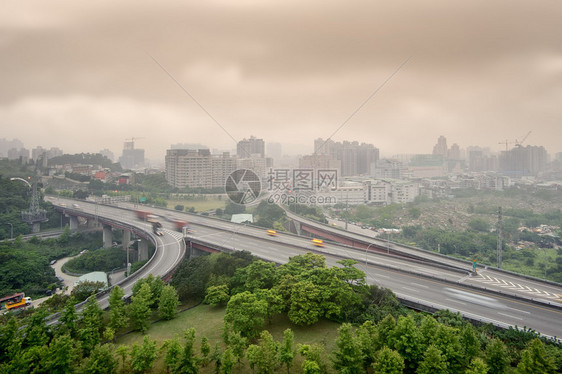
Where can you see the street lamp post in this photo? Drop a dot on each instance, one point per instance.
(128, 263)
(545, 262)
(366, 250)
(388, 242)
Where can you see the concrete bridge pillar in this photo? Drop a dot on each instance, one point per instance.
(126, 238)
(73, 223)
(35, 228)
(91, 223)
(297, 227)
(143, 250)
(107, 236)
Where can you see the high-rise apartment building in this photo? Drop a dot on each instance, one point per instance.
(388, 168)
(198, 168)
(441, 147)
(131, 158)
(523, 161)
(247, 148)
(355, 158)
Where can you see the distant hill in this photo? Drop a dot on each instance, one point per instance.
(86, 159)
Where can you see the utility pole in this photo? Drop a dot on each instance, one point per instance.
(346, 203)
(499, 230)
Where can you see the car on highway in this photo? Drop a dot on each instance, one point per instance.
(318, 242)
(271, 232)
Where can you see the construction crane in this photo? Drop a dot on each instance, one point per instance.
(506, 144)
(520, 143)
(517, 143)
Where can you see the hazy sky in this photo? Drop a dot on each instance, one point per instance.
(79, 75)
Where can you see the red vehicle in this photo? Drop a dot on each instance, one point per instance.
(180, 224)
(142, 214)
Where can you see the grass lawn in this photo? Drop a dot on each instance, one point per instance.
(200, 204)
(208, 321)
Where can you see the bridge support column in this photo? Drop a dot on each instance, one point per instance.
(143, 250)
(297, 226)
(35, 228)
(91, 223)
(107, 236)
(126, 238)
(73, 223)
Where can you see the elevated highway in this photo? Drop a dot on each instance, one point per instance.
(170, 248)
(486, 277)
(415, 282)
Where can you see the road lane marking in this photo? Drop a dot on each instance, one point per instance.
(410, 289)
(510, 316)
(455, 301)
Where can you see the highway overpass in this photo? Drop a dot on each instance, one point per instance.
(426, 285)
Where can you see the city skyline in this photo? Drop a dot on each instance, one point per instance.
(87, 77)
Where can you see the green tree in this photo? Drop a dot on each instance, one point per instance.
(257, 275)
(168, 303)
(205, 350)
(347, 358)
(274, 301)
(253, 355)
(447, 341)
(535, 359)
(189, 362)
(385, 330)
(496, 357)
(217, 295)
(246, 313)
(69, 316)
(216, 357)
(228, 361)
(117, 311)
(173, 354)
(85, 289)
(469, 342)
(139, 310)
(37, 333)
(479, 224)
(433, 362)
(10, 339)
(311, 367)
(367, 336)
(90, 325)
(407, 340)
(144, 355)
(267, 354)
(388, 362)
(288, 351)
(108, 334)
(313, 362)
(305, 305)
(61, 355)
(238, 343)
(123, 352)
(477, 366)
(101, 360)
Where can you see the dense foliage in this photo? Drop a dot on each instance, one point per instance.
(103, 259)
(310, 212)
(85, 159)
(24, 266)
(403, 343)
